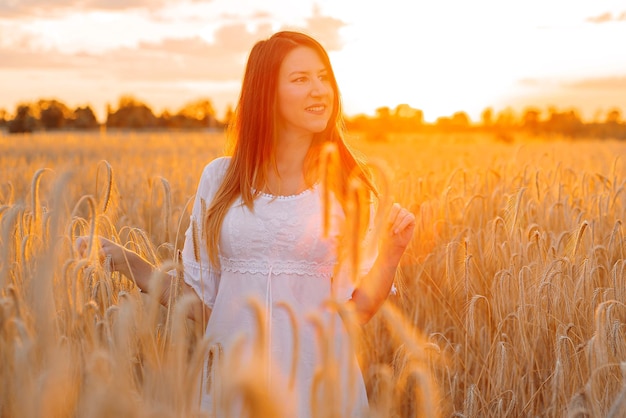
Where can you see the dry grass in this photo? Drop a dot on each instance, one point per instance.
(511, 301)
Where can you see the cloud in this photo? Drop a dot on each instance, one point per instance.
(121, 4)
(25, 59)
(170, 59)
(236, 36)
(603, 18)
(194, 59)
(158, 61)
(13, 8)
(184, 57)
(326, 30)
(607, 18)
(600, 83)
(612, 83)
(10, 8)
(537, 83)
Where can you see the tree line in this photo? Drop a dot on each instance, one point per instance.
(532, 121)
(131, 113)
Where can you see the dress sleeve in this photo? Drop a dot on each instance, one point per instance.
(203, 278)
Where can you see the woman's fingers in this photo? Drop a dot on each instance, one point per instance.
(393, 215)
(82, 245)
(103, 247)
(112, 256)
(102, 253)
(400, 227)
(109, 252)
(404, 221)
(400, 218)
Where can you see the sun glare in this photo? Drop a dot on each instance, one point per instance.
(500, 125)
(450, 56)
(441, 57)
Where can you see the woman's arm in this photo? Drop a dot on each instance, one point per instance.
(143, 273)
(375, 285)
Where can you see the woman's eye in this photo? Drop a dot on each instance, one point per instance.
(300, 80)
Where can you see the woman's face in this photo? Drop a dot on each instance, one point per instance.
(305, 94)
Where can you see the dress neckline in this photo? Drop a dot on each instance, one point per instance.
(287, 197)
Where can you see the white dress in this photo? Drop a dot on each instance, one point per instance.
(275, 266)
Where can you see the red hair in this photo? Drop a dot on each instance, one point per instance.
(253, 131)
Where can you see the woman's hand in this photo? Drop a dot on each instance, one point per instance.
(121, 259)
(399, 231)
(104, 248)
(375, 286)
(142, 272)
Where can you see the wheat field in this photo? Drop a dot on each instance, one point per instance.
(511, 299)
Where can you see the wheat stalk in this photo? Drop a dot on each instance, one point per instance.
(106, 197)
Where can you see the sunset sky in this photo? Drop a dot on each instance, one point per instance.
(440, 56)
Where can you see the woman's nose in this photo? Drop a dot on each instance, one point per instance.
(319, 88)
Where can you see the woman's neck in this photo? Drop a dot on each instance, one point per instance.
(290, 152)
(290, 156)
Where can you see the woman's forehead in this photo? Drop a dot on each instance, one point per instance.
(302, 59)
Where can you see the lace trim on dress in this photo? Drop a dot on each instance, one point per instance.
(197, 268)
(286, 197)
(203, 280)
(297, 267)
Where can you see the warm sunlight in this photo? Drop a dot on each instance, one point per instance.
(190, 225)
(449, 56)
(441, 57)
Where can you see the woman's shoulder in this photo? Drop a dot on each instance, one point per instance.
(216, 167)
(213, 173)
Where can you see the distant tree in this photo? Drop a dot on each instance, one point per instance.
(531, 120)
(229, 115)
(379, 128)
(84, 118)
(177, 121)
(614, 116)
(24, 120)
(52, 113)
(506, 119)
(598, 116)
(566, 123)
(200, 112)
(131, 114)
(383, 114)
(4, 116)
(165, 120)
(486, 117)
(52, 118)
(406, 118)
(443, 122)
(359, 122)
(460, 120)
(613, 126)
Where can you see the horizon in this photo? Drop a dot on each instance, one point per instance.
(515, 115)
(440, 58)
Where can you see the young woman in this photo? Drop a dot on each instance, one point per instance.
(263, 254)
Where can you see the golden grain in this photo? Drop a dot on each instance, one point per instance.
(520, 294)
(106, 197)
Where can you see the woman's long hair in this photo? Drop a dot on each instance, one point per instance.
(252, 135)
